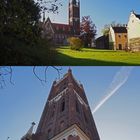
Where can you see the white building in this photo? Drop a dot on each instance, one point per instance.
(134, 31)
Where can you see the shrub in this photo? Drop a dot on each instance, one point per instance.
(26, 54)
(75, 43)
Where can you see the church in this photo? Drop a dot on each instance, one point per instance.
(59, 33)
(66, 115)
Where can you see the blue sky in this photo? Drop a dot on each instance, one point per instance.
(23, 102)
(101, 11)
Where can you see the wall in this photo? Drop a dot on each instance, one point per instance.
(133, 27)
(121, 38)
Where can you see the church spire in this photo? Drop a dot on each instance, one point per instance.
(28, 135)
(44, 17)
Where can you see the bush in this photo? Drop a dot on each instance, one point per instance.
(26, 54)
(75, 43)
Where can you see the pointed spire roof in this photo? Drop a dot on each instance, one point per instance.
(73, 1)
(29, 133)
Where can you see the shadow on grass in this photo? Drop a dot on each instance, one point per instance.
(65, 60)
(88, 49)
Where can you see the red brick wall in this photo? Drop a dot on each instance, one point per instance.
(51, 125)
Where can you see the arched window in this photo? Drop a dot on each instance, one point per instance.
(63, 105)
(70, 137)
(49, 133)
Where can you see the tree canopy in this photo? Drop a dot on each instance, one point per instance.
(20, 31)
(88, 30)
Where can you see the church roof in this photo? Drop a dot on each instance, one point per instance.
(62, 28)
(58, 28)
(120, 29)
(73, 1)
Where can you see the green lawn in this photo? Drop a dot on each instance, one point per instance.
(94, 57)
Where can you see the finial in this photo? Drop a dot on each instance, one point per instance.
(33, 123)
(44, 16)
(133, 12)
(69, 70)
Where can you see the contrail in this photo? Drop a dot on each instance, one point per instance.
(118, 81)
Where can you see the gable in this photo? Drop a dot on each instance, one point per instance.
(48, 26)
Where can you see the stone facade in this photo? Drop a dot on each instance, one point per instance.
(134, 44)
(118, 36)
(67, 115)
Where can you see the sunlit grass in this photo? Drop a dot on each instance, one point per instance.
(89, 56)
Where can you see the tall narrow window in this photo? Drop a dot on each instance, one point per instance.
(53, 111)
(85, 116)
(63, 105)
(77, 107)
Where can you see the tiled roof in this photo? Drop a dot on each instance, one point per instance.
(62, 28)
(120, 29)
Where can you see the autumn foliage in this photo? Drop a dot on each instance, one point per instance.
(75, 43)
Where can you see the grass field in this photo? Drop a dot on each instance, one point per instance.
(94, 57)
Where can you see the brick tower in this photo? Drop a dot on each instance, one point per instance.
(74, 15)
(67, 115)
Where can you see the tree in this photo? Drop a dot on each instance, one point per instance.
(88, 30)
(6, 74)
(20, 32)
(106, 28)
(19, 21)
(49, 5)
(75, 43)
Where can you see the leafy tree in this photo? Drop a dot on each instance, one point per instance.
(19, 21)
(106, 28)
(20, 32)
(75, 43)
(88, 30)
(49, 5)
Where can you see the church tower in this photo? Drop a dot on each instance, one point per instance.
(74, 15)
(66, 115)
